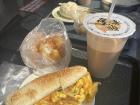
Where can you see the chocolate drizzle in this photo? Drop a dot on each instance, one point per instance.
(112, 25)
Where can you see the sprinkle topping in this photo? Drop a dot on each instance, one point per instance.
(118, 26)
(103, 25)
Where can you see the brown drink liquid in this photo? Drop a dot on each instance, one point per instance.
(101, 60)
(105, 41)
(103, 54)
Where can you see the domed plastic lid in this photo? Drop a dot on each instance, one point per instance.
(126, 26)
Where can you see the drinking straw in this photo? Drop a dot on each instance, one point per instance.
(111, 9)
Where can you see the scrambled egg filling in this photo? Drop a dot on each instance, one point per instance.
(83, 91)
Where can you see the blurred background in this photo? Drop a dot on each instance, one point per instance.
(10, 8)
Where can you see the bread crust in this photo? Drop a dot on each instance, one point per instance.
(70, 76)
(43, 86)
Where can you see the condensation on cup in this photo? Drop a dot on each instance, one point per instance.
(104, 46)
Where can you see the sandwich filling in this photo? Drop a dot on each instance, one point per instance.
(82, 91)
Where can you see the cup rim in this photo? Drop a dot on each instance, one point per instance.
(131, 31)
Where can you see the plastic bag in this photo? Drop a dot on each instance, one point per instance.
(78, 18)
(47, 47)
(11, 77)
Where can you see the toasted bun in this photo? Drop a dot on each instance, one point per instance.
(69, 76)
(43, 86)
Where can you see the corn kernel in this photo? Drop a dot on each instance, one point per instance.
(75, 90)
(61, 103)
(80, 98)
(82, 91)
(80, 83)
(62, 95)
(55, 99)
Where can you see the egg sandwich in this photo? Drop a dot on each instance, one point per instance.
(71, 86)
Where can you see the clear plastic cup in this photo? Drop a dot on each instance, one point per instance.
(78, 18)
(104, 48)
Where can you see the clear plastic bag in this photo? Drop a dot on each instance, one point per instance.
(78, 18)
(11, 77)
(47, 47)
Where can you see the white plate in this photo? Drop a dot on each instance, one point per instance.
(33, 76)
(57, 16)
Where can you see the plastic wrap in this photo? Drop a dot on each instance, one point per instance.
(11, 77)
(78, 21)
(47, 47)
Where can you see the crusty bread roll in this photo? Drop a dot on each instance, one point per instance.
(43, 86)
